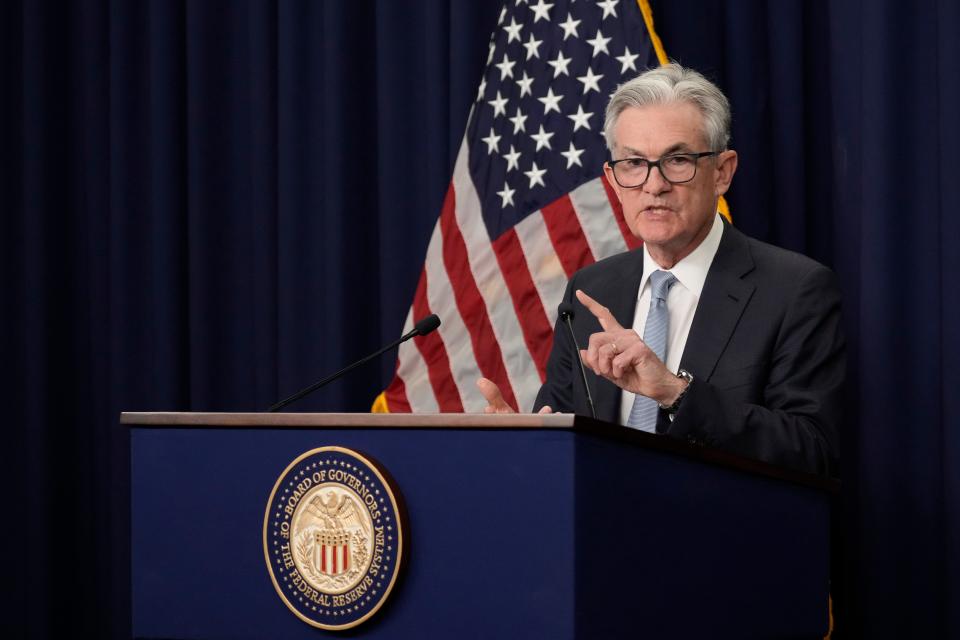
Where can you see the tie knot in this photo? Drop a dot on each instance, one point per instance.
(661, 281)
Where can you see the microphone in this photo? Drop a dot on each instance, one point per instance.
(565, 310)
(422, 328)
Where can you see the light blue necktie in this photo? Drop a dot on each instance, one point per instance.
(643, 414)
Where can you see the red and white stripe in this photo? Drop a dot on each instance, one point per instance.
(334, 559)
(497, 297)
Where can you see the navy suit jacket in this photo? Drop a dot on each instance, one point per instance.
(765, 349)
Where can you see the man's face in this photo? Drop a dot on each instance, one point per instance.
(671, 219)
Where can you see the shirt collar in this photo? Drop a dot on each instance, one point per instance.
(691, 272)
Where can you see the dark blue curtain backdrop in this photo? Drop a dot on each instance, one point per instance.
(208, 205)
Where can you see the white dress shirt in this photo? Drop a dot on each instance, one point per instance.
(682, 300)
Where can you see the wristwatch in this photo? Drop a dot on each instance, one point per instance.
(685, 375)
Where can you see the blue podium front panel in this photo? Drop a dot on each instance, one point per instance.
(490, 526)
(514, 533)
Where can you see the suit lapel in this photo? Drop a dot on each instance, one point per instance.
(725, 295)
(619, 294)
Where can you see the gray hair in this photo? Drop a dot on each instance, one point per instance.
(673, 83)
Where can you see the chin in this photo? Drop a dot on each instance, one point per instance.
(657, 232)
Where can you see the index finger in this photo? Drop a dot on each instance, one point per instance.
(600, 312)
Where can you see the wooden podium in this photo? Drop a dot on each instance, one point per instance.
(521, 526)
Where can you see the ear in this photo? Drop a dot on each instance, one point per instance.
(725, 168)
(608, 171)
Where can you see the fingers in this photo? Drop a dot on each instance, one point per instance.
(600, 312)
(605, 355)
(603, 347)
(495, 401)
(591, 355)
(640, 362)
(600, 346)
(598, 355)
(629, 359)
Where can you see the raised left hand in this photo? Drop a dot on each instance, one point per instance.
(620, 356)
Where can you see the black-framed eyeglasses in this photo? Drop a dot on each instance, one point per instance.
(675, 168)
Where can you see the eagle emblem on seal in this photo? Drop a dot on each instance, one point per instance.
(335, 535)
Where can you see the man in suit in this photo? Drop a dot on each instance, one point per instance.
(703, 334)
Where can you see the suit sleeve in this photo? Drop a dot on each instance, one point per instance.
(557, 390)
(794, 422)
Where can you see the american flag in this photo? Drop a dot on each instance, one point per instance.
(527, 205)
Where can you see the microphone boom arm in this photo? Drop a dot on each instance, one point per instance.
(423, 327)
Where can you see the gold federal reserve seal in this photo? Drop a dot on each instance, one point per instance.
(332, 538)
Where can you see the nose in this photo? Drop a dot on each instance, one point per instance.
(655, 183)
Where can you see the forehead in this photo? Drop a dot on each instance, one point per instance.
(653, 129)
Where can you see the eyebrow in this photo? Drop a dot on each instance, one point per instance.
(679, 147)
